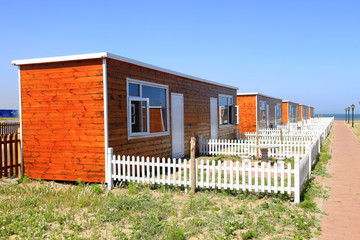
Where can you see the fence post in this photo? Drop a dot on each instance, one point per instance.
(192, 164)
(297, 179)
(109, 179)
(201, 145)
(309, 150)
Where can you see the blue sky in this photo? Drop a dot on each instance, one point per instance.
(304, 51)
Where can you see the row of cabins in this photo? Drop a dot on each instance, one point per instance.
(73, 108)
(260, 111)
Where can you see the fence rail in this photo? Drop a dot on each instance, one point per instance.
(9, 154)
(238, 147)
(211, 174)
(243, 175)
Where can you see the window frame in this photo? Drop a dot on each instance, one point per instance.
(278, 110)
(139, 99)
(132, 135)
(265, 104)
(234, 109)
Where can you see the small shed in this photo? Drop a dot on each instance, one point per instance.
(311, 112)
(258, 108)
(290, 112)
(74, 107)
(303, 112)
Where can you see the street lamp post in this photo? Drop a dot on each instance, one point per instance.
(352, 107)
(345, 115)
(348, 114)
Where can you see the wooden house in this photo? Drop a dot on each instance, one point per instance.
(74, 107)
(290, 112)
(303, 112)
(311, 112)
(258, 108)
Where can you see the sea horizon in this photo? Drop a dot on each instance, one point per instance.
(338, 116)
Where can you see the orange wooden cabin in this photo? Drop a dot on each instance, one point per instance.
(74, 107)
(303, 112)
(290, 111)
(258, 109)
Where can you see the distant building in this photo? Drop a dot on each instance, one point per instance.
(256, 109)
(290, 111)
(9, 113)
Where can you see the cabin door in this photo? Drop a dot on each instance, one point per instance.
(213, 118)
(177, 124)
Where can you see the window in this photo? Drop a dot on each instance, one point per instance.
(278, 112)
(304, 112)
(262, 109)
(147, 109)
(227, 114)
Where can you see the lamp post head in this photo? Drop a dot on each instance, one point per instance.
(353, 106)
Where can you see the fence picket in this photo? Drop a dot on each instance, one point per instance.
(219, 174)
(207, 173)
(276, 178)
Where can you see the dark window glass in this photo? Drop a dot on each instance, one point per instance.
(158, 112)
(134, 90)
(223, 101)
(138, 116)
(157, 96)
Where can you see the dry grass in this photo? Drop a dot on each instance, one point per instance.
(355, 129)
(41, 209)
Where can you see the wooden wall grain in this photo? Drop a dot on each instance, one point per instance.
(247, 113)
(62, 120)
(196, 109)
(285, 112)
(271, 102)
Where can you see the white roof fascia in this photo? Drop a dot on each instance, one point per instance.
(257, 93)
(116, 57)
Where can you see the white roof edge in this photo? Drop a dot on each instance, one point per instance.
(290, 102)
(116, 57)
(59, 59)
(257, 93)
(249, 93)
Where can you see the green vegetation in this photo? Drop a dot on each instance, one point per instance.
(41, 209)
(320, 169)
(35, 209)
(355, 129)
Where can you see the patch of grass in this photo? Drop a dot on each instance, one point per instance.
(25, 179)
(320, 169)
(355, 129)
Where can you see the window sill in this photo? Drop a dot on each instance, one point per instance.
(226, 125)
(149, 135)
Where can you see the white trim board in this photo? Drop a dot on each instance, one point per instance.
(116, 57)
(106, 124)
(257, 93)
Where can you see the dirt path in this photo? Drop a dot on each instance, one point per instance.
(343, 205)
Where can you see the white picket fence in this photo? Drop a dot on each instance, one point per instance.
(231, 175)
(238, 147)
(245, 175)
(211, 174)
(304, 129)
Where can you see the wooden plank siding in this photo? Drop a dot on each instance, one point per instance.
(196, 109)
(272, 103)
(247, 113)
(63, 120)
(285, 112)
